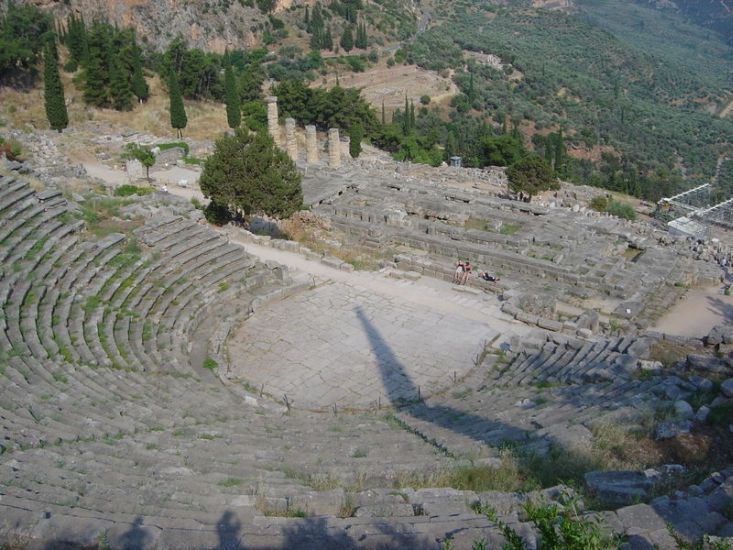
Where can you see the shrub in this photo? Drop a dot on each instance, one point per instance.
(11, 149)
(621, 210)
(210, 364)
(425, 99)
(217, 214)
(599, 204)
(357, 64)
(128, 190)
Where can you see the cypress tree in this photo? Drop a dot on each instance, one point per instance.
(50, 41)
(383, 115)
(361, 36)
(177, 110)
(307, 18)
(315, 41)
(406, 118)
(559, 153)
(347, 39)
(53, 92)
(412, 116)
(549, 146)
(327, 39)
(234, 115)
(139, 85)
(356, 133)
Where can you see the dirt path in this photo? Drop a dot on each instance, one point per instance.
(697, 313)
(436, 294)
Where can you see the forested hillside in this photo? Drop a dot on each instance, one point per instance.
(630, 95)
(636, 92)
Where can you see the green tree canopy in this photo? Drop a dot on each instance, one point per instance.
(502, 150)
(248, 173)
(21, 32)
(531, 175)
(334, 108)
(143, 154)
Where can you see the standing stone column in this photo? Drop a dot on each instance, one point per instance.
(311, 145)
(334, 148)
(273, 125)
(291, 140)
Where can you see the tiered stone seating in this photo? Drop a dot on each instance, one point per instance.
(103, 413)
(581, 255)
(111, 432)
(581, 383)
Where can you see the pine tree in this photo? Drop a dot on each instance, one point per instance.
(122, 62)
(177, 110)
(76, 39)
(356, 133)
(248, 173)
(53, 91)
(96, 70)
(234, 114)
(347, 39)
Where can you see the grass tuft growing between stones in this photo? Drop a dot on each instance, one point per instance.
(230, 482)
(210, 364)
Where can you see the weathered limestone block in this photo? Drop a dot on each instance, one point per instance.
(311, 145)
(135, 170)
(273, 125)
(334, 148)
(291, 140)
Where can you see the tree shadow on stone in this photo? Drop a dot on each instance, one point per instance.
(320, 534)
(716, 305)
(135, 537)
(484, 429)
(227, 529)
(401, 391)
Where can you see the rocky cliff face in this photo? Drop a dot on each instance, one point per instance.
(211, 25)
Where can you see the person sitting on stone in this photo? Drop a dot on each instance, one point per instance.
(458, 275)
(466, 272)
